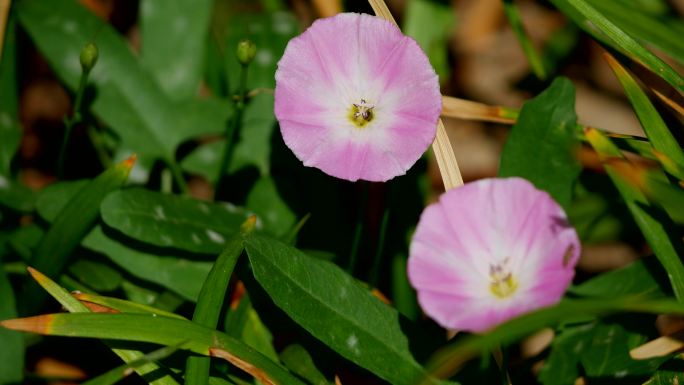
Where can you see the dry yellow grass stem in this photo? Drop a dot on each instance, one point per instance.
(469, 110)
(446, 160)
(671, 103)
(659, 347)
(4, 13)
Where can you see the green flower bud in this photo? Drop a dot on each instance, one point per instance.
(88, 57)
(246, 50)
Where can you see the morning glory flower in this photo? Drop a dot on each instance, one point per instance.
(490, 251)
(356, 98)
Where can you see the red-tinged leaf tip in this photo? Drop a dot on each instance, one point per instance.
(130, 162)
(249, 225)
(242, 364)
(38, 324)
(37, 275)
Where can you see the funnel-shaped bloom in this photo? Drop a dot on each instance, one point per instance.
(489, 251)
(356, 98)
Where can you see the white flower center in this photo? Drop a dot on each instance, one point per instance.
(361, 113)
(502, 283)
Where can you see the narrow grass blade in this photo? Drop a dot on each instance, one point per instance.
(71, 225)
(603, 29)
(122, 306)
(449, 359)
(152, 329)
(117, 374)
(533, 57)
(658, 133)
(211, 297)
(653, 229)
(73, 305)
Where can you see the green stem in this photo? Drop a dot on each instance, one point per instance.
(358, 231)
(102, 154)
(178, 176)
(514, 18)
(377, 259)
(233, 129)
(70, 122)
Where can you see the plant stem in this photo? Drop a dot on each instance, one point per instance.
(358, 231)
(178, 176)
(233, 129)
(377, 259)
(96, 139)
(70, 122)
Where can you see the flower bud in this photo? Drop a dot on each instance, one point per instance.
(89, 57)
(246, 50)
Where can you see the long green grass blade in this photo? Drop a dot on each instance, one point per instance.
(73, 305)
(117, 374)
(653, 229)
(449, 359)
(211, 297)
(123, 306)
(603, 29)
(157, 330)
(531, 53)
(657, 131)
(72, 223)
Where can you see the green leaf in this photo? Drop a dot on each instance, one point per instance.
(607, 353)
(52, 199)
(644, 277)
(16, 196)
(604, 30)
(448, 359)
(96, 275)
(156, 330)
(653, 226)
(172, 221)
(210, 300)
(123, 305)
(205, 160)
(73, 305)
(299, 361)
(127, 98)
(173, 35)
(670, 373)
(433, 40)
(10, 131)
(334, 308)
(658, 133)
(562, 365)
(254, 147)
(244, 324)
(546, 128)
(12, 352)
(117, 374)
(66, 234)
(179, 275)
(277, 218)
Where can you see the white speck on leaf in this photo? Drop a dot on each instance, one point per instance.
(621, 373)
(3, 182)
(214, 236)
(203, 208)
(69, 26)
(5, 120)
(196, 238)
(353, 344)
(159, 213)
(166, 240)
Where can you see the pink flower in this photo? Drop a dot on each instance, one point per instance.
(490, 251)
(356, 98)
